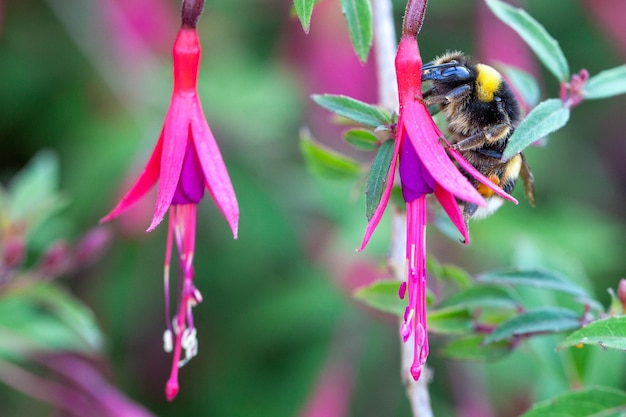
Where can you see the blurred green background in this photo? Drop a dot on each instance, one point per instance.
(91, 81)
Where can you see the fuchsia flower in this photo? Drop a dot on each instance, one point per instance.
(185, 161)
(425, 168)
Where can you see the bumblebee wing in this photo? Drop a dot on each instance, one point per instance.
(529, 181)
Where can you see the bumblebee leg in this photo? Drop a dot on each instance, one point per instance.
(431, 98)
(459, 92)
(490, 135)
(468, 210)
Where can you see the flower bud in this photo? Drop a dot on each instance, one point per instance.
(91, 246)
(621, 293)
(56, 260)
(13, 253)
(413, 17)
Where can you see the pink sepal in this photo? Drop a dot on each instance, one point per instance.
(175, 135)
(217, 179)
(144, 183)
(451, 207)
(378, 213)
(469, 168)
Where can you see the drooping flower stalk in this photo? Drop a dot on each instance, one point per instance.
(186, 160)
(425, 167)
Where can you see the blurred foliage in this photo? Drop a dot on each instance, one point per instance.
(276, 302)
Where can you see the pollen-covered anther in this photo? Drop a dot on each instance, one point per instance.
(175, 325)
(402, 290)
(189, 343)
(405, 329)
(168, 341)
(197, 296)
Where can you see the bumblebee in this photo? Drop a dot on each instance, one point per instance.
(481, 114)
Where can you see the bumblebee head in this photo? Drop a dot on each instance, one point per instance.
(455, 69)
(450, 70)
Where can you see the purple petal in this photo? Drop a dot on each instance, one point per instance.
(175, 137)
(190, 189)
(217, 178)
(416, 180)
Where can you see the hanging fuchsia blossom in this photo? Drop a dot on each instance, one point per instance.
(425, 168)
(185, 161)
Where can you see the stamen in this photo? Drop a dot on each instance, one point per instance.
(405, 329)
(166, 270)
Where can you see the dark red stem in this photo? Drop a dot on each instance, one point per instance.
(192, 9)
(413, 17)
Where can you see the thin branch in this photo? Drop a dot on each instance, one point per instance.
(385, 45)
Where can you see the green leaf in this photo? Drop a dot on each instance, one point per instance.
(590, 402)
(377, 180)
(472, 348)
(549, 116)
(358, 15)
(483, 296)
(535, 35)
(304, 10)
(352, 109)
(606, 333)
(382, 295)
(325, 162)
(451, 320)
(456, 274)
(33, 194)
(608, 83)
(45, 317)
(537, 278)
(362, 139)
(70, 311)
(524, 83)
(536, 321)
(433, 267)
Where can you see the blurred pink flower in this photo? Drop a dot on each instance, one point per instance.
(133, 33)
(185, 161)
(497, 42)
(331, 394)
(609, 16)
